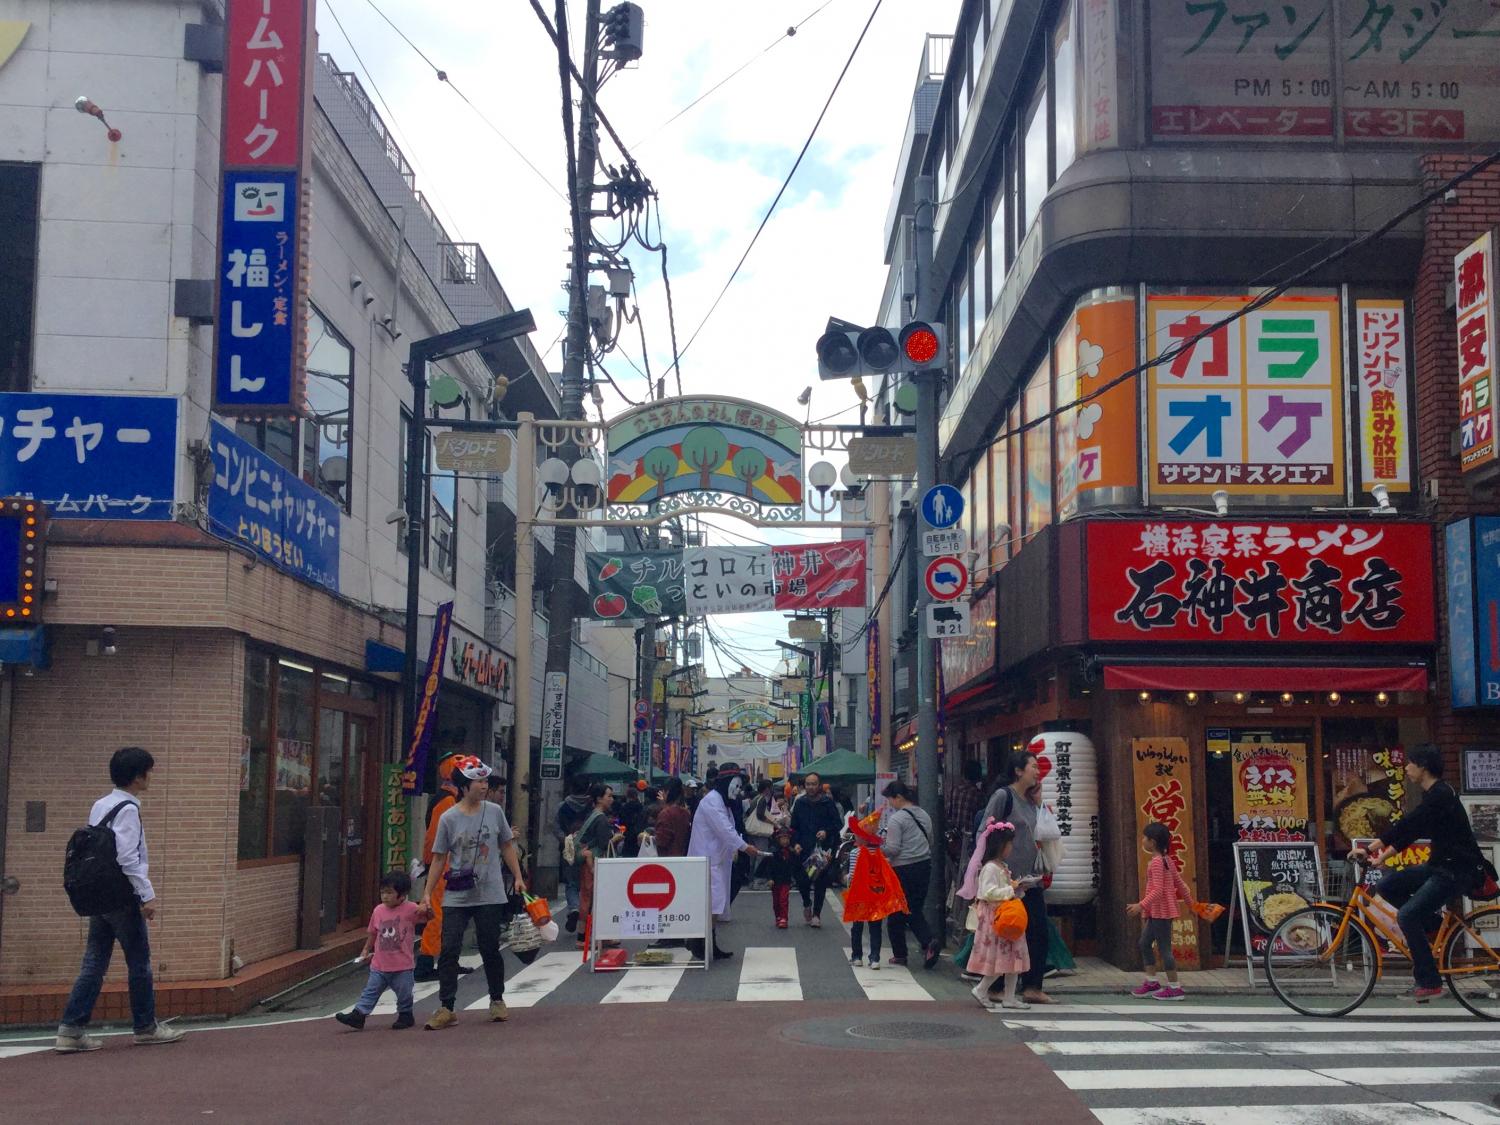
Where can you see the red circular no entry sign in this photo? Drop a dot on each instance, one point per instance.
(651, 887)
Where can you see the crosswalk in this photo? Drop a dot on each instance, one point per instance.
(1207, 1064)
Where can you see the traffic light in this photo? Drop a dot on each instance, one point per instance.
(845, 351)
(624, 28)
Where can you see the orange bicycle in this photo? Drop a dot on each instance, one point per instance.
(1325, 959)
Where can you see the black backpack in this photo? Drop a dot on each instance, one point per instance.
(91, 870)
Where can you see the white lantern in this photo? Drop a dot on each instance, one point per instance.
(1070, 788)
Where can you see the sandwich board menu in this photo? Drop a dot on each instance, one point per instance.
(1271, 882)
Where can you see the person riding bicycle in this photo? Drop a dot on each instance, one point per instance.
(1454, 868)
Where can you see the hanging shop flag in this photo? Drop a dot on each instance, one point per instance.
(1380, 354)
(1260, 580)
(1271, 785)
(1255, 407)
(1164, 794)
(1475, 300)
(1473, 581)
(395, 837)
(432, 681)
(259, 362)
(701, 580)
(872, 679)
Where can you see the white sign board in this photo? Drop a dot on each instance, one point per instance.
(948, 619)
(472, 453)
(946, 541)
(554, 722)
(640, 923)
(629, 894)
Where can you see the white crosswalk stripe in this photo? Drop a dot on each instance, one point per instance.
(18, 1051)
(419, 992)
(646, 985)
(1252, 1064)
(769, 974)
(533, 983)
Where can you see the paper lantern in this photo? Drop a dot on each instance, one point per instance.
(1070, 788)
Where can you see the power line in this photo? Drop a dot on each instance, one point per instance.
(786, 183)
(587, 94)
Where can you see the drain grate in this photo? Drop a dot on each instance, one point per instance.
(908, 1031)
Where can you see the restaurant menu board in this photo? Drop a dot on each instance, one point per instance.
(1369, 791)
(1484, 818)
(1164, 794)
(1270, 791)
(1272, 882)
(1419, 852)
(1481, 770)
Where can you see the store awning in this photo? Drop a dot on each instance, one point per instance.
(602, 767)
(1252, 677)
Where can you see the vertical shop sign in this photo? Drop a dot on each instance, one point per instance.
(1380, 354)
(432, 682)
(1254, 407)
(1463, 649)
(872, 680)
(1101, 107)
(395, 835)
(1099, 343)
(1271, 788)
(554, 723)
(1474, 296)
(1164, 793)
(259, 360)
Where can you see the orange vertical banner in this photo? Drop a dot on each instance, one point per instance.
(1164, 793)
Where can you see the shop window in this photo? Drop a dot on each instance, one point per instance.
(327, 437)
(255, 758)
(292, 769)
(1038, 440)
(999, 503)
(1033, 160)
(20, 193)
(1065, 78)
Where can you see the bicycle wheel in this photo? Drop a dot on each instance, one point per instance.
(1319, 965)
(1471, 962)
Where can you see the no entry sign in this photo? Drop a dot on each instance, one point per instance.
(651, 887)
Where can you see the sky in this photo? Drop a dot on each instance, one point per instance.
(716, 170)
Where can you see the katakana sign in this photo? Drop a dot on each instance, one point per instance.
(1254, 407)
(1380, 353)
(1260, 580)
(258, 360)
(1474, 296)
(1473, 581)
(257, 502)
(90, 457)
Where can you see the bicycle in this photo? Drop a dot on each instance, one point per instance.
(1325, 959)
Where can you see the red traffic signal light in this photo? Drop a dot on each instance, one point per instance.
(922, 344)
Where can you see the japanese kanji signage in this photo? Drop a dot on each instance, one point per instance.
(258, 357)
(1271, 882)
(1253, 408)
(699, 580)
(1473, 577)
(1163, 774)
(1101, 92)
(1380, 361)
(1249, 580)
(395, 836)
(1474, 296)
(1096, 346)
(415, 769)
(554, 723)
(257, 502)
(90, 457)
(1271, 788)
(872, 681)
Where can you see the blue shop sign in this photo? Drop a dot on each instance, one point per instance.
(90, 457)
(255, 333)
(1473, 578)
(269, 509)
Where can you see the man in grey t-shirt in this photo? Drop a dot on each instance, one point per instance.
(473, 839)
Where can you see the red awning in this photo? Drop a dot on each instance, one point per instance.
(1220, 677)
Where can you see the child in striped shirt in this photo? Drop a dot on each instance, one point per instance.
(1157, 909)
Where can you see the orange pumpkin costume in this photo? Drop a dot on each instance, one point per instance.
(874, 891)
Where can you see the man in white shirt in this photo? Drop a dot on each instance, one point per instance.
(130, 770)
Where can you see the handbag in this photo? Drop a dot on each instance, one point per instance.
(647, 846)
(817, 862)
(1010, 919)
(1047, 827)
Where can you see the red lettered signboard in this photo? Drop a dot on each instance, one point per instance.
(1253, 580)
(264, 83)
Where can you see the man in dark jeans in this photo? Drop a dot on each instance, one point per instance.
(908, 845)
(1454, 868)
(473, 837)
(130, 771)
(815, 824)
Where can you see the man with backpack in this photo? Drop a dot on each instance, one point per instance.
(107, 879)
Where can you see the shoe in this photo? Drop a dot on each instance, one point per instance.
(1049, 974)
(807, 915)
(816, 923)
(1146, 988)
(426, 969)
(1037, 997)
(403, 1021)
(498, 1012)
(856, 957)
(874, 962)
(160, 1033)
(722, 954)
(465, 970)
(1170, 992)
(934, 951)
(571, 925)
(1016, 1005)
(1422, 995)
(73, 1044)
(781, 923)
(896, 961)
(440, 1019)
(966, 975)
(353, 1019)
(984, 1001)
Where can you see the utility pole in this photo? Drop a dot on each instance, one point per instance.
(560, 607)
(929, 792)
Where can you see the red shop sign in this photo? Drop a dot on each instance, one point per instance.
(265, 82)
(1243, 580)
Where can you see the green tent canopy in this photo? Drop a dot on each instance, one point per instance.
(843, 767)
(601, 767)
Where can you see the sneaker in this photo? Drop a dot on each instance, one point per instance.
(896, 961)
(807, 915)
(440, 1019)
(1016, 1005)
(816, 923)
(984, 1001)
(934, 951)
(1146, 988)
(856, 957)
(498, 1011)
(1422, 995)
(69, 1044)
(159, 1033)
(781, 923)
(874, 962)
(353, 1019)
(1170, 992)
(571, 925)
(403, 1021)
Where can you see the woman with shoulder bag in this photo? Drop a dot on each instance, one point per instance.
(592, 843)
(1011, 803)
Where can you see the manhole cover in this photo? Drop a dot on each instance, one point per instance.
(908, 1031)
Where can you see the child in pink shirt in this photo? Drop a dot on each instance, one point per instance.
(1157, 909)
(389, 949)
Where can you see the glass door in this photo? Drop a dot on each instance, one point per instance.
(359, 876)
(330, 794)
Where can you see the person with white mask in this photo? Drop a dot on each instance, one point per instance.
(714, 838)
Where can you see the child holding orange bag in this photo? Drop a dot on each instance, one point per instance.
(874, 892)
(1157, 910)
(994, 956)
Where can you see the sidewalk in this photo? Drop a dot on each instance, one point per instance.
(1096, 975)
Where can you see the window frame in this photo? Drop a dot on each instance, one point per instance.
(311, 474)
(25, 372)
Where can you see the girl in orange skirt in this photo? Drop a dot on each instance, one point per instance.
(874, 892)
(994, 956)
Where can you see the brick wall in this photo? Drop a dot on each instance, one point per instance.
(264, 919)
(1449, 227)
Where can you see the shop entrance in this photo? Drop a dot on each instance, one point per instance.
(345, 779)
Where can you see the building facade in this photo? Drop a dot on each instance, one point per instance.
(1204, 402)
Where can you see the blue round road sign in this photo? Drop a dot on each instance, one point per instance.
(942, 506)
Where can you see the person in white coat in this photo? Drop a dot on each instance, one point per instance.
(715, 839)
